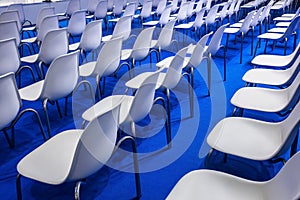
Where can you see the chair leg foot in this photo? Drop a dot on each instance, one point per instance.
(18, 187)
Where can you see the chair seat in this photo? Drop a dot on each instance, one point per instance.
(137, 81)
(236, 25)
(126, 53)
(106, 104)
(185, 26)
(289, 15)
(51, 162)
(283, 24)
(227, 137)
(271, 60)
(29, 40)
(231, 30)
(267, 76)
(115, 20)
(283, 19)
(30, 59)
(106, 38)
(277, 30)
(215, 185)
(32, 92)
(165, 63)
(74, 46)
(261, 99)
(87, 69)
(150, 23)
(270, 36)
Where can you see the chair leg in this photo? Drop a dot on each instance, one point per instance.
(169, 108)
(66, 105)
(252, 41)
(47, 117)
(224, 64)
(9, 141)
(285, 45)
(132, 126)
(18, 187)
(209, 60)
(258, 42)
(58, 108)
(266, 46)
(77, 189)
(241, 52)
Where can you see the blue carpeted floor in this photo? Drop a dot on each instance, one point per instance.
(160, 168)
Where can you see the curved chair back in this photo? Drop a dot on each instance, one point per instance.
(223, 12)
(203, 40)
(211, 15)
(277, 189)
(91, 7)
(91, 36)
(182, 13)
(146, 9)
(174, 5)
(231, 7)
(130, 9)
(173, 74)
(50, 50)
(237, 5)
(199, 18)
(166, 34)
(110, 5)
(72, 6)
(144, 96)
(10, 58)
(165, 15)
(122, 28)
(162, 4)
(255, 19)
(109, 58)
(10, 102)
(61, 77)
(43, 13)
(48, 23)
(9, 29)
(216, 39)
(118, 7)
(142, 44)
(208, 4)
(293, 90)
(101, 10)
(19, 8)
(96, 145)
(11, 15)
(247, 22)
(77, 23)
(199, 6)
(190, 9)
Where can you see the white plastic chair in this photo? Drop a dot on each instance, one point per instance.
(49, 50)
(146, 12)
(266, 99)
(211, 17)
(174, 6)
(140, 49)
(107, 63)
(90, 39)
(182, 13)
(77, 24)
(20, 9)
(243, 30)
(11, 15)
(163, 20)
(10, 105)
(129, 10)
(162, 4)
(223, 13)
(122, 29)
(10, 59)
(60, 80)
(79, 153)
(215, 185)
(73, 5)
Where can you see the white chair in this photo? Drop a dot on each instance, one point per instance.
(182, 13)
(91, 8)
(211, 17)
(122, 29)
(20, 9)
(242, 31)
(101, 11)
(77, 154)
(146, 12)
(166, 80)
(73, 5)
(215, 185)
(280, 36)
(140, 49)
(163, 20)
(286, 18)
(275, 61)
(107, 63)
(77, 24)
(275, 77)
(273, 138)
(230, 10)
(266, 99)
(237, 9)
(12, 15)
(131, 110)
(174, 4)
(90, 39)
(60, 80)
(49, 50)
(223, 13)
(129, 11)
(162, 4)
(10, 104)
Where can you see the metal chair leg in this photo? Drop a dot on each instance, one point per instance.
(47, 117)
(18, 187)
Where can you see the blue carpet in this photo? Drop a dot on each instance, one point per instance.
(160, 168)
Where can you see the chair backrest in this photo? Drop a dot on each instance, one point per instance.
(173, 74)
(166, 35)
(42, 14)
(144, 96)
(118, 7)
(50, 50)
(216, 39)
(190, 9)
(199, 6)
(162, 4)
(165, 15)
(73, 6)
(247, 22)
(146, 9)
(238, 5)
(211, 15)
(142, 44)
(91, 7)
(294, 25)
(91, 36)
(77, 23)
(10, 101)
(101, 10)
(155, 3)
(276, 188)
(174, 5)
(199, 18)
(48, 23)
(197, 54)
(231, 7)
(19, 8)
(109, 58)
(8, 30)
(61, 77)
(223, 12)
(293, 91)
(130, 9)
(11, 15)
(122, 28)
(96, 145)
(208, 4)
(256, 17)
(10, 58)
(110, 5)
(182, 13)
(203, 40)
